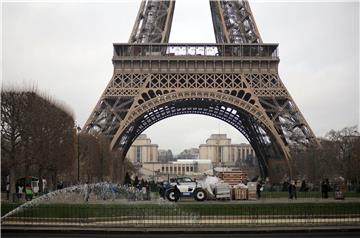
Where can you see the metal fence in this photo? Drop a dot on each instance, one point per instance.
(185, 215)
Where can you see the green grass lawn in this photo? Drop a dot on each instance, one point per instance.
(202, 209)
(306, 194)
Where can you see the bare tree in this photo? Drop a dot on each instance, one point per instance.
(337, 156)
(36, 134)
(347, 142)
(11, 140)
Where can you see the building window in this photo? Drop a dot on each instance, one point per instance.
(220, 149)
(162, 169)
(175, 169)
(138, 154)
(187, 169)
(192, 169)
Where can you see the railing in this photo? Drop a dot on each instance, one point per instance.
(259, 51)
(186, 215)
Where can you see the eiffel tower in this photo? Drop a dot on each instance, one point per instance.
(235, 80)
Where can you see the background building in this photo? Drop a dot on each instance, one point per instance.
(192, 153)
(153, 163)
(179, 167)
(165, 156)
(221, 152)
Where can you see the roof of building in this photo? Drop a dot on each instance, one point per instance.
(192, 161)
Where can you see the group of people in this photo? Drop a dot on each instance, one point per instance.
(28, 190)
(291, 188)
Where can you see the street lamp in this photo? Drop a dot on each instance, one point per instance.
(78, 128)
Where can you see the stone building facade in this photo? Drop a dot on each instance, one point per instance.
(179, 167)
(218, 151)
(221, 152)
(143, 151)
(145, 156)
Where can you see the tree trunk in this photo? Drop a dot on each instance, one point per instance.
(54, 180)
(40, 170)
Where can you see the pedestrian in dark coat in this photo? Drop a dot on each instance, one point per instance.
(258, 190)
(292, 190)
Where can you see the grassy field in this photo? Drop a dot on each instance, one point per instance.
(201, 209)
(306, 194)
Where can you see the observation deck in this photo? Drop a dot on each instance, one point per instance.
(172, 58)
(168, 51)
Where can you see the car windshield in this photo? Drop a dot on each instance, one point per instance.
(185, 180)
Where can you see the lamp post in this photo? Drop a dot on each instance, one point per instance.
(78, 128)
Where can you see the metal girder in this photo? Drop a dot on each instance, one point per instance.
(257, 134)
(233, 22)
(153, 22)
(107, 115)
(288, 120)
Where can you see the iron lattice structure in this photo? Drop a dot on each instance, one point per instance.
(235, 80)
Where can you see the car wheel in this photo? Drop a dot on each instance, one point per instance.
(200, 195)
(172, 196)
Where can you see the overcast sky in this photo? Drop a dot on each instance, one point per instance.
(65, 49)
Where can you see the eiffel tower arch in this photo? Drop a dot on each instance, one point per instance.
(235, 80)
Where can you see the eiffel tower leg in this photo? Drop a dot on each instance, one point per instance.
(233, 22)
(153, 22)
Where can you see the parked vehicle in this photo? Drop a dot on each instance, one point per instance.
(185, 187)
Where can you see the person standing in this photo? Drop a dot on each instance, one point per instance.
(7, 191)
(177, 193)
(258, 189)
(86, 192)
(162, 190)
(292, 190)
(28, 192)
(326, 187)
(20, 191)
(147, 191)
(323, 189)
(44, 185)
